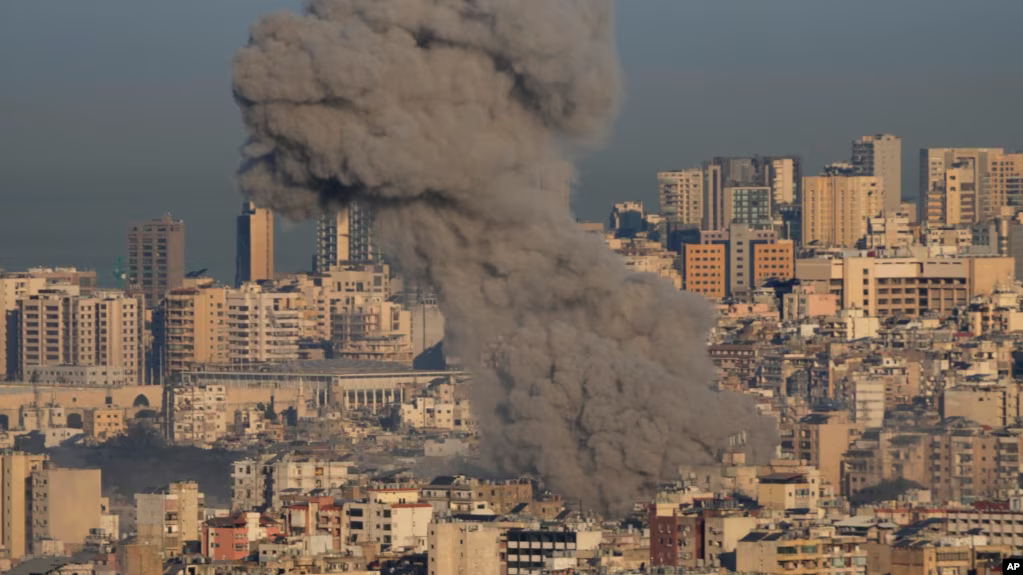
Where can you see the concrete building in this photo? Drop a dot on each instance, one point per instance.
(783, 180)
(773, 261)
(681, 195)
(821, 439)
(255, 245)
(995, 405)
(789, 491)
(193, 328)
(170, 517)
(704, 269)
(889, 230)
(781, 173)
(197, 414)
(344, 236)
(156, 258)
(263, 326)
(64, 329)
(1005, 185)
(16, 501)
(880, 155)
(103, 424)
(751, 206)
(819, 551)
(459, 548)
(66, 506)
(885, 287)
(804, 302)
(923, 557)
(868, 394)
(627, 220)
(836, 209)
(260, 483)
(371, 328)
(954, 185)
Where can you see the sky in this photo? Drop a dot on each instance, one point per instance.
(117, 110)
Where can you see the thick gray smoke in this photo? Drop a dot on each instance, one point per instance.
(455, 120)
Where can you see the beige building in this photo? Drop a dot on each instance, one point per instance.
(681, 194)
(372, 328)
(789, 491)
(954, 185)
(263, 326)
(15, 501)
(836, 209)
(1005, 184)
(995, 405)
(198, 414)
(805, 302)
(194, 327)
(821, 439)
(770, 553)
(783, 179)
(255, 259)
(66, 505)
(170, 517)
(156, 258)
(464, 548)
(927, 558)
(773, 261)
(880, 155)
(905, 286)
(102, 424)
(59, 329)
(259, 483)
(11, 290)
(890, 230)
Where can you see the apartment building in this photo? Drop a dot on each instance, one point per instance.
(821, 439)
(193, 329)
(102, 424)
(889, 231)
(345, 236)
(16, 471)
(66, 506)
(773, 261)
(905, 286)
(170, 517)
(1005, 184)
(922, 557)
(60, 329)
(836, 209)
(787, 491)
(818, 551)
(681, 195)
(263, 326)
(464, 548)
(955, 185)
(260, 483)
(748, 205)
(255, 245)
(197, 414)
(880, 155)
(156, 258)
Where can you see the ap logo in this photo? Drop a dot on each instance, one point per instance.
(1013, 565)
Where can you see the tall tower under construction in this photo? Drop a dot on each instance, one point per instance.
(345, 236)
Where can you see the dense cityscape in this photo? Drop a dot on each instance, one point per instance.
(313, 423)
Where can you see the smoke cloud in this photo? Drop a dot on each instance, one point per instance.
(457, 120)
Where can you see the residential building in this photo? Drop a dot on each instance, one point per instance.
(226, 538)
(681, 195)
(1005, 184)
(59, 329)
(836, 209)
(628, 219)
(345, 235)
(885, 287)
(255, 245)
(263, 326)
(781, 173)
(789, 491)
(890, 230)
(66, 506)
(676, 536)
(815, 551)
(170, 517)
(102, 424)
(197, 414)
(783, 179)
(954, 185)
(193, 328)
(880, 155)
(923, 557)
(371, 328)
(156, 258)
(464, 548)
(259, 483)
(16, 501)
(821, 439)
(13, 288)
(773, 261)
(751, 206)
(804, 302)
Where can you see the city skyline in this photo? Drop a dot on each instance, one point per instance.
(136, 141)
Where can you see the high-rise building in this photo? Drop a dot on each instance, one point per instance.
(1005, 180)
(782, 174)
(836, 209)
(627, 219)
(783, 180)
(59, 328)
(954, 185)
(344, 235)
(156, 258)
(750, 206)
(66, 506)
(255, 259)
(170, 517)
(15, 501)
(681, 194)
(193, 328)
(880, 155)
(263, 326)
(703, 269)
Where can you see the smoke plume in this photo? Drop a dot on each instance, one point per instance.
(457, 120)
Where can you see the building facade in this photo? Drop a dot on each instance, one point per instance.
(156, 258)
(255, 245)
(880, 155)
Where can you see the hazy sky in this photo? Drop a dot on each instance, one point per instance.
(112, 110)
